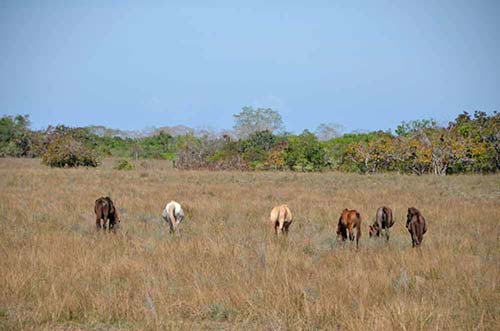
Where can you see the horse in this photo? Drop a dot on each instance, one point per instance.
(173, 215)
(281, 218)
(105, 209)
(415, 223)
(349, 219)
(383, 221)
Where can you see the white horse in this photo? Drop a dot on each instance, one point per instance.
(173, 214)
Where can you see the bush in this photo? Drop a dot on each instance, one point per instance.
(65, 151)
(16, 139)
(305, 153)
(168, 156)
(124, 165)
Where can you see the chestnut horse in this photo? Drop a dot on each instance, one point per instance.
(415, 223)
(349, 219)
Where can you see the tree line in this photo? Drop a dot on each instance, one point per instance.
(468, 144)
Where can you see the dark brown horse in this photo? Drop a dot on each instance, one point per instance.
(383, 221)
(349, 219)
(105, 209)
(415, 223)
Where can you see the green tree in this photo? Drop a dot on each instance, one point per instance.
(16, 139)
(66, 151)
(411, 127)
(161, 145)
(480, 135)
(256, 148)
(339, 151)
(305, 153)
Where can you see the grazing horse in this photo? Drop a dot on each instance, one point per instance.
(415, 223)
(349, 219)
(281, 218)
(383, 221)
(105, 209)
(173, 214)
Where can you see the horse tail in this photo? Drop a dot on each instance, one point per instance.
(112, 208)
(341, 228)
(106, 208)
(282, 216)
(358, 232)
(288, 214)
(340, 223)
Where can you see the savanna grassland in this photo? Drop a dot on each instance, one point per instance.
(226, 270)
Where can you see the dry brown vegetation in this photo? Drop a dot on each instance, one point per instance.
(226, 270)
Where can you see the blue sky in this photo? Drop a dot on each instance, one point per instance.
(134, 64)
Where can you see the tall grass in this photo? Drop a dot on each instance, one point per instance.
(226, 270)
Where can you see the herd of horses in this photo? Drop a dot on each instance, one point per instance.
(281, 218)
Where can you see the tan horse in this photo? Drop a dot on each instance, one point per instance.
(349, 219)
(415, 223)
(281, 218)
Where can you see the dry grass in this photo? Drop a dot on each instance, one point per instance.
(226, 271)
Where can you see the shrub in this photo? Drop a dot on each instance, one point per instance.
(305, 153)
(124, 165)
(168, 156)
(65, 151)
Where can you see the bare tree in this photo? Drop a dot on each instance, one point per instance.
(251, 120)
(327, 131)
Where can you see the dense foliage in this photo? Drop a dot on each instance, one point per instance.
(469, 144)
(123, 164)
(65, 151)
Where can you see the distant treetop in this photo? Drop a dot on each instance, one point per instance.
(251, 120)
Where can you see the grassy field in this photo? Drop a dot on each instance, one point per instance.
(226, 270)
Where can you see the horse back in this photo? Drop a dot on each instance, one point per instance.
(388, 218)
(103, 207)
(281, 213)
(349, 217)
(422, 223)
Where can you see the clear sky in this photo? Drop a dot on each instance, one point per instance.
(134, 64)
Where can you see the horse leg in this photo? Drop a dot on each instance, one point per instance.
(171, 225)
(413, 232)
(281, 223)
(175, 225)
(286, 226)
(351, 233)
(98, 222)
(358, 235)
(420, 234)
